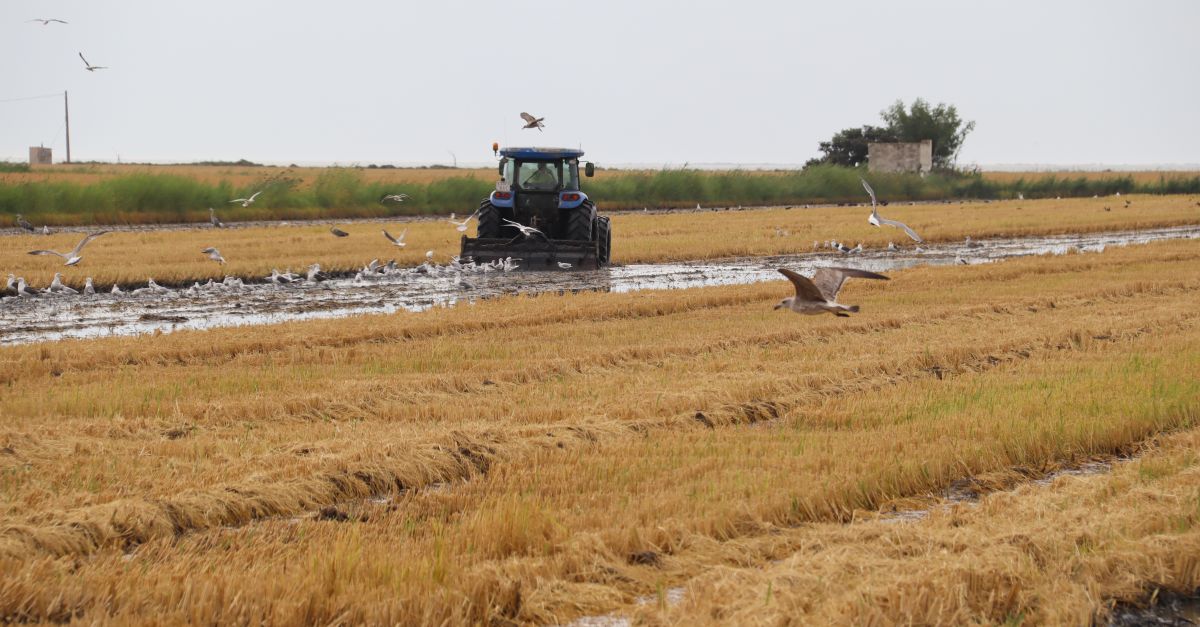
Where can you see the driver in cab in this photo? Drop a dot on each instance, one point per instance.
(542, 178)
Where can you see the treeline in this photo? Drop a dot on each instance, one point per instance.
(344, 193)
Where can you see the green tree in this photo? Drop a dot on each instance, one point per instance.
(941, 124)
(849, 146)
(921, 121)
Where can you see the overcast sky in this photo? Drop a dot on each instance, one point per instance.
(357, 81)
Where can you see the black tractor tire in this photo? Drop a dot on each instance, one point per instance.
(579, 222)
(488, 221)
(603, 240)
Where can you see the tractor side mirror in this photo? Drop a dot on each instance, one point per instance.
(589, 169)
(503, 162)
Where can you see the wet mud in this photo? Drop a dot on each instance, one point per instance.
(53, 317)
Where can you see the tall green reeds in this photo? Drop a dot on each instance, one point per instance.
(345, 193)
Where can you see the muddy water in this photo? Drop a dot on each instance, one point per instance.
(51, 318)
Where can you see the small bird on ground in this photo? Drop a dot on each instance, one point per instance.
(47, 20)
(338, 232)
(398, 240)
(23, 223)
(214, 254)
(876, 220)
(532, 122)
(57, 287)
(246, 202)
(819, 294)
(75, 255)
(89, 66)
(394, 198)
(214, 220)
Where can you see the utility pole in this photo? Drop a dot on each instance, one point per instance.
(67, 114)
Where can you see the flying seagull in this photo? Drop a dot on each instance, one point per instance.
(246, 202)
(394, 197)
(532, 122)
(461, 227)
(90, 67)
(338, 232)
(23, 223)
(527, 231)
(214, 254)
(46, 21)
(819, 294)
(398, 240)
(75, 256)
(214, 220)
(876, 220)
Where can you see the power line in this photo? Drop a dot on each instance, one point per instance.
(55, 95)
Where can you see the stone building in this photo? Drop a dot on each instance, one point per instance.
(900, 156)
(40, 156)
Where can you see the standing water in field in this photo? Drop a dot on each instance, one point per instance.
(49, 318)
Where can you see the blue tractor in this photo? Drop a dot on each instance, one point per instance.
(539, 188)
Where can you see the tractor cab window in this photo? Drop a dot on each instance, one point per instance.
(571, 176)
(539, 176)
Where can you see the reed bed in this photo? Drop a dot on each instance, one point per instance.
(82, 195)
(542, 458)
(173, 257)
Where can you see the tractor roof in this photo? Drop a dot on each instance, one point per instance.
(541, 153)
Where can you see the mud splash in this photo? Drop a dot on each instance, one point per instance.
(51, 318)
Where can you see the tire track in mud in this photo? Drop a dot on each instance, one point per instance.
(463, 455)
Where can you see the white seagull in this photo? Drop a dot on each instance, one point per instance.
(46, 21)
(57, 286)
(246, 202)
(876, 220)
(214, 254)
(90, 67)
(527, 231)
(819, 294)
(88, 287)
(22, 292)
(75, 256)
(398, 240)
(564, 265)
(532, 122)
(461, 227)
(394, 198)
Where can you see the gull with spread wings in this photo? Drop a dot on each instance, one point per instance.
(819, 294)
(76, 254)
(877, 220)
(532, 122)
(90, 67)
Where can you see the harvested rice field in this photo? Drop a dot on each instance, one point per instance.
(1010, 442)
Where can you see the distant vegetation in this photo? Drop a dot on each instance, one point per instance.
(347, 193)
(918, 122)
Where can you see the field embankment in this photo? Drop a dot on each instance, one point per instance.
(74, 195)
(173, 256)
(537, 459)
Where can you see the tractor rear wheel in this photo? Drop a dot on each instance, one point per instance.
(603, 240)
(579, 222)
(489, 221)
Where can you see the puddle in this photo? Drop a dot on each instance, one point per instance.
(669, 597)
(963, 491)
(52, 318)
(1166, 609)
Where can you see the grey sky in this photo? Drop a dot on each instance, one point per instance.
(632, 81)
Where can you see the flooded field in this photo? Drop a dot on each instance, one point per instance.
(55, 317)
